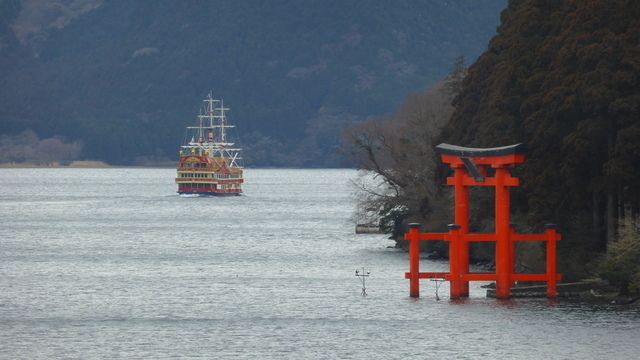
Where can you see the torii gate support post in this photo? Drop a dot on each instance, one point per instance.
(414, 275)
(462, 220)
(455, 267)
(552, 238)
(414, 260)
(504, 267)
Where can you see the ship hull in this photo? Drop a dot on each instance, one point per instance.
(203, 193)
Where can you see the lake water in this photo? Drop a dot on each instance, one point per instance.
(112, 264)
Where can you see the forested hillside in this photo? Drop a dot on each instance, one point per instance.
(121, 79)
(562, 77)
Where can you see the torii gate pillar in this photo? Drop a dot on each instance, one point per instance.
(471, 168)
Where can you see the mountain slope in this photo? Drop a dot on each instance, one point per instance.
(127, 76)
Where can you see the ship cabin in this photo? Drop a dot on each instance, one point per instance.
(198, 174)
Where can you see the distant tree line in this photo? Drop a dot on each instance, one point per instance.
(28, 148)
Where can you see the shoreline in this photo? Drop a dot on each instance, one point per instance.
(172, 165)
(77, 164)
(593, 291)
(55, 164)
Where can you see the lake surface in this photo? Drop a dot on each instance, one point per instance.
(112, 264)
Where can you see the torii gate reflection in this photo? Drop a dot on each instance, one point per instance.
(470, 167)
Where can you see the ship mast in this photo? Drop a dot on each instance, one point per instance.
(211, 134)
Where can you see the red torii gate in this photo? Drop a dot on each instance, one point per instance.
(470, 167)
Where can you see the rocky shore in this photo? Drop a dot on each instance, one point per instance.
(593, 291)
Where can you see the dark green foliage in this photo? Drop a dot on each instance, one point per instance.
(453, 81)
(622, 267)
(562, 76)
(391, 220)
(128, 76)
